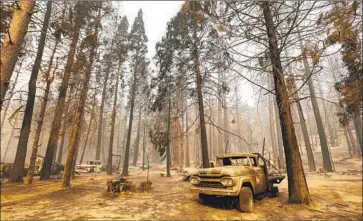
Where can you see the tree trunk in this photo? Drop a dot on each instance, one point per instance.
(89, 128)
(297, 186)
(181, 153)
(125, 169)
(17, 171)
(203, 137)
(176, 136)
(119, 128)
(78, 121)
(30, 174)
(358, 130)
(225, 117)
(304, 129)
(279, 137)
(143, 147)
(272, 125)
(100, 118)
(327, 162)
(113, 119)
(353, 141)
(12, 43)
(124, 139)
(65, 125)
(238, 123)
(168, 157)
(52, 142)
(350, 148)
(210, 138)
(219, 114)
(103, 143)
(78, 141)
(326, 120)
(137, 140)
(187, 151)
(11, 95)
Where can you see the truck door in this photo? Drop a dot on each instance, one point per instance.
(260, 175)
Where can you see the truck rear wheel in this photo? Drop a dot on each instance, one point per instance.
(275, 191)
(245, 200)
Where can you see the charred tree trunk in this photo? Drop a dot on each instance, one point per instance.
(309, 151)
(327, 162)
(168, 157)
(181, 134)
(78, 121)
(327, 122)
(81, 13)
(279, 137)
(358, 130)
(225, 116)
(176, 135)
(137, 140)
(100, 118)
(89, 128)
(219, 114)
(18, 166)
(12, 44)
(125, 169)
(272, 125)
(78, 141)
(187, 151)
(297, 186)
(143, 147)
(113, 119)
(203, 133)
(350, 148)
(123, 139)
(30, 174)
(66, 123)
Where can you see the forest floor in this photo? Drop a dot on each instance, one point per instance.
(336, 196)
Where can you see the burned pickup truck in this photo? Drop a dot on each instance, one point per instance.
(243, 175)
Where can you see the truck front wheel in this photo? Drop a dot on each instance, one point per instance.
(245, 200)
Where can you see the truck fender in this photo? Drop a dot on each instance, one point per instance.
(247, 182)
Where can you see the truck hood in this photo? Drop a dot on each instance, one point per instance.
(224, 171)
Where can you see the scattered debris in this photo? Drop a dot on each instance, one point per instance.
(145, 186)
(120, 185)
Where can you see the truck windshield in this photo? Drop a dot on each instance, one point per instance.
(233, 161)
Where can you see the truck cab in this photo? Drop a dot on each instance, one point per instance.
(242, 175)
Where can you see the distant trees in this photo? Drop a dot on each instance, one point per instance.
(344, 19)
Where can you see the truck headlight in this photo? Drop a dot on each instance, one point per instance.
(227, 181)
(194, 180)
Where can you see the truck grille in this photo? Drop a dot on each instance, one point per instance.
(210, 184)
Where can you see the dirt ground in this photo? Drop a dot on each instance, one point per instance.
(336, 196)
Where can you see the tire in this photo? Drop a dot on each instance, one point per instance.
(245, 200)
(275, 191)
